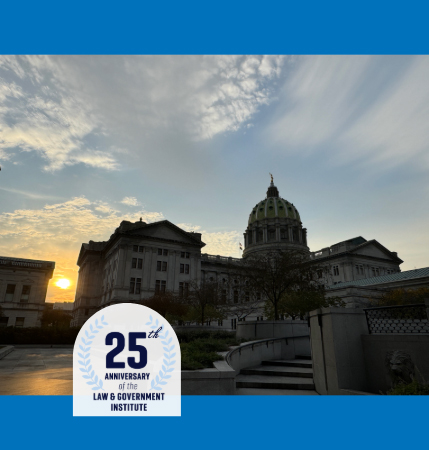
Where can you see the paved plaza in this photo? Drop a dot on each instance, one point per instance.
(49, 371)
(37, 371)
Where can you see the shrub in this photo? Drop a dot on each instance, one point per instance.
(413, 388)
(38, 336)
(189, 336)
(199, 348)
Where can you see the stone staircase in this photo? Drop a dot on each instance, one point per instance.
(278, 377)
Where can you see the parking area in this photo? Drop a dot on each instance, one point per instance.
(37, 371)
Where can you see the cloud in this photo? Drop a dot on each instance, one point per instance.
(224, 243)
(33, 195)
(359, 109)
(57, 231)
(47, 119)
(90, 110)
(130, 201)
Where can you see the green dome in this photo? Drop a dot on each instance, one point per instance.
(273, 206)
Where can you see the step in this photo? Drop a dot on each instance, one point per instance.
(254, 391)
(308, 358)
(302, 372)
(272, 382)
(289, 363)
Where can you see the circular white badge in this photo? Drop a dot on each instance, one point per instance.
(126, 362)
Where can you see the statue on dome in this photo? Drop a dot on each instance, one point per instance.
(272, 180)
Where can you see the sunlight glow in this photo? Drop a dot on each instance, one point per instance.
(63, 283)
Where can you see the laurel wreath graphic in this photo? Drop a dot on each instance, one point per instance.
(167, 367)
(89, 374)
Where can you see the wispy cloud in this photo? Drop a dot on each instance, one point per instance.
(28, 194)
(371, 110)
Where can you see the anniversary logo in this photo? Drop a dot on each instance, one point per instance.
(126, 362)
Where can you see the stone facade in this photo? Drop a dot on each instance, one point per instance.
(23, 286)
(357, 293)
(141, 258)
(355, 259)
(138, 260)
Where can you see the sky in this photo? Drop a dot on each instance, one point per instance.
(89, 141)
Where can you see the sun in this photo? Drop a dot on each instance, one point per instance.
(63, 283)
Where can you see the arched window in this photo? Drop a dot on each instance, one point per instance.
(295, 235)
(271, 234)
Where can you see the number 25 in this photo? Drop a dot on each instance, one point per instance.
(132, 347)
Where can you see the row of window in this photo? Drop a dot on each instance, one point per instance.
(161, 251)
(160, 286)
(183, 289)
(271, 235)
(137, 263)
(161, 266)
(360, 270)
(10, 292)
(19, 322)
(375, 271)
(135, 285)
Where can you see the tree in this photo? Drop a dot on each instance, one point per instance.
(241, 301)
(402, 296)
(298, 303)
(167, 304)
(273, 274)
(204, 301)
(56, 318)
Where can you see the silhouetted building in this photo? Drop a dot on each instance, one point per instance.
(23, 286)
(140, 259)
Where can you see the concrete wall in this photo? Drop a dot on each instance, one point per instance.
(217, 381)
(375, 347)
(252, 354)
(197, 328)
(220, 380)
(337, 352)
(271, 329)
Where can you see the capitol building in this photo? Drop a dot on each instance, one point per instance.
(140, 259)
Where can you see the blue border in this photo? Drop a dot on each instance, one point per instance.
(222, 27)
(217, 27)
(360, 422)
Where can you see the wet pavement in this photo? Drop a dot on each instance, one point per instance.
(37, 371)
